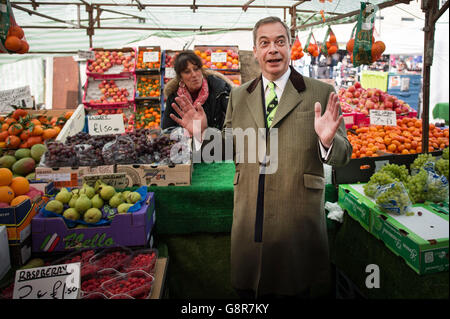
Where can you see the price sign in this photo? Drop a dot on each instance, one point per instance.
(20, 97)
(219, 57)
(150, 57)
(170, 73)
(106, 124)
(383, 117)
(86, 55)
(117, 180)
(50, 282)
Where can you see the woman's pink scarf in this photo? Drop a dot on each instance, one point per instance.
(202, 95)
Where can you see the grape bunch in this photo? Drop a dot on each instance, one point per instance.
(377, 179)
(416, 186)
(445, 153)
(59, 155)
(161, 146)
(398, 172)
(79, 138)
(442, 167)
(420, 162)
(119, 151)
(437, 188)
(393, 198)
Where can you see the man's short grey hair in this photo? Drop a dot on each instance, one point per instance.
(270, 20)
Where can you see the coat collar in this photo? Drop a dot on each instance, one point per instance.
(295, 77)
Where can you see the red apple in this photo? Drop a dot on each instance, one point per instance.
(351, 89)
(357, 85)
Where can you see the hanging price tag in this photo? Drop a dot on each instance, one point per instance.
(383, 117)
(50, 282)
(86, 55)
(150, 57)
(20, 97)
(217, 57)
(170, 73)
(106, 124)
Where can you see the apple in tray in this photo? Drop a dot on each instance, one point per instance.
(111, 62)
(108, 93)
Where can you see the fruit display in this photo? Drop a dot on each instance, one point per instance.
(405, 138)
(15, 40)
(149, 58)
(148, 86)
(117, 92)
(22, 130)
(378, 47)
(356, 98)
(91, 205)
(235, 78)
(393, 198)
(330, 46)
(15, 189)
(148, 117)
(119, 61)
(170, 58)
(92, 283)
(112, 258)
(218, 57)
(144, 259)
(22, 162)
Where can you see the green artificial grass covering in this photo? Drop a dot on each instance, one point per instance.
(204, 206)
(353, 248)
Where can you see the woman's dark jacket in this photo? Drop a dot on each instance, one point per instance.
(215, 105)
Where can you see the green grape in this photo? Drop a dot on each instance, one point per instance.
(442, 167)
(398, 172)
(377, 179)
(393, 198)
(416, 186)
(437, 188)
(445, 153)
(420, 161)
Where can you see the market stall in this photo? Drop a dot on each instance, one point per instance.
(98, 186)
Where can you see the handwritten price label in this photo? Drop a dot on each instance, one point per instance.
(170, 73)
(86, 55)
(106, 124)
(20, 97)
(118, 180)
(219, 57)
(150, 57)
(383, 117)
(50, 282)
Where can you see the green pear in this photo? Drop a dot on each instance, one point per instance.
(55, 206)
(123, 208)
(71, 213)
(97, 201)
(125, 194)
(83, 203)
(116, 200)
(99, 185)
(107, 192)
(73, 200)
(133, 197)
(88, 190)
(92, 215)
(64, 196)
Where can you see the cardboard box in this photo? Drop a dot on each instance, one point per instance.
(421, 240)
(157, 175)
(17, 219)
(70, 176)
(51, 234)
(74, 125)
(20, 253)
(5, 262)
(357, 205)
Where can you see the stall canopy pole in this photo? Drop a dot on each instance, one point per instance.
(430, 8)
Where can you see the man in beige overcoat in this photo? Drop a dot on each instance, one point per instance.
(279, 243)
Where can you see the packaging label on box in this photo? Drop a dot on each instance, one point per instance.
(50, 282)
(57, 177)
(117, 180)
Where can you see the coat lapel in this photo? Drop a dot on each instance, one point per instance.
(290, 99)
(254, 102)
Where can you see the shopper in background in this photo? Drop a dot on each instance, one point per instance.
(207, 88)
(279, 245)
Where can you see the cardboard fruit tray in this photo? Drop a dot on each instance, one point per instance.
(92, 92)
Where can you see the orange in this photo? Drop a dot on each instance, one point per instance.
(5, 176)
(25, 47)
(13, 43)
(20, 185)
(19, 199)
(16, 31)
(6, 194)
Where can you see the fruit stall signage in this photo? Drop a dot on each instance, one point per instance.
(50, 282)
(150, 57)
(170, 73)
(106, 124)
(20, 97)
(86, 55)
(217, 57)
(117, 180)
(383, 117)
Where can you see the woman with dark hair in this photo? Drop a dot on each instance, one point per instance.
(208, 88)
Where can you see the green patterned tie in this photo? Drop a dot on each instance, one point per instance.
(271, 104)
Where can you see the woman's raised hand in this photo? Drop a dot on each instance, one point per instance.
(192, 118)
